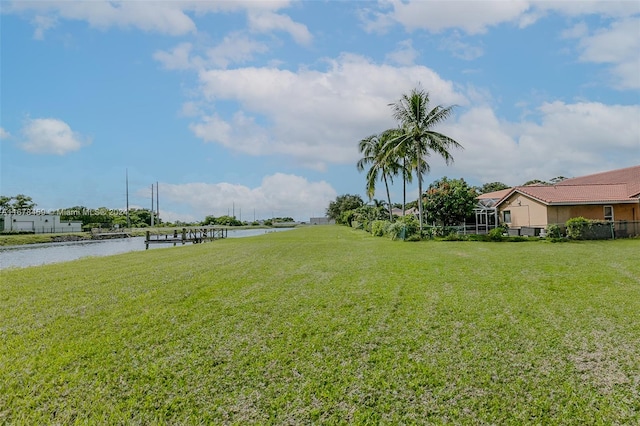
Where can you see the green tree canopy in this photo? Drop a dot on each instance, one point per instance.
(341, 205)
(492, 187)
(449, 201)
(374, 149)
(17, 202)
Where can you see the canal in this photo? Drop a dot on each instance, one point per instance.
(41, 254)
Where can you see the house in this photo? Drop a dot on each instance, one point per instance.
(611, 196)
(398, 212)
(36, 223)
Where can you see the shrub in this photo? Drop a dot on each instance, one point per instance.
(576, 226)
(580, 228)
(379, 227)
(404, 228)
(554, 231)
(496, 234)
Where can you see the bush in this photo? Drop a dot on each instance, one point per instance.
(554, 231)
(496, 234)
(404, 228)
(379, 227)
(580, 228)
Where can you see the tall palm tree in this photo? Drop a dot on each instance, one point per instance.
(417, 136)
(383, 166)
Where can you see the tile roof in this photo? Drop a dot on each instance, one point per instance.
(619, 186)
(495, 195)
(629, 176)
(578, 194)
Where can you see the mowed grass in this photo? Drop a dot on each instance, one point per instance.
(326, 325)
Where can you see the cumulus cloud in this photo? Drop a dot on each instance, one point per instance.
(4, 134)
(476, 17)
(51, 136)
(177, 58)
(617, 45)
(564, 139)
(268, 21)
(473, 17)
(278, 194)
(405, 53)
(167, 17)
(314, 116)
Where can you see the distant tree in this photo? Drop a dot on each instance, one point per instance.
(222, 221)
(5, 202)
(17, 202)
(492, 187)
(557, 179)
(535, 182)
(449, 201)
(341, 205)
(22, 201)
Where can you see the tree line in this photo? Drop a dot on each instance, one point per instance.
(104, 217)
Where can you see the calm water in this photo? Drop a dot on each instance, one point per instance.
(41, 254)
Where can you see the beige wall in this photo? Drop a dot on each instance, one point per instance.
(524, 211)
(560, 214)
(528, 212)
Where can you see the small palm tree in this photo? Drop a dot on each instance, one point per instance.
(383, 166)
(416, 138)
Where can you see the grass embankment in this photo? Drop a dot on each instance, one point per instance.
(326, 325)
(21, 239)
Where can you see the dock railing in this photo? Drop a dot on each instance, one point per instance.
(186, 235)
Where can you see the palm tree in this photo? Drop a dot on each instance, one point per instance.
(382, 165)
(416, 138)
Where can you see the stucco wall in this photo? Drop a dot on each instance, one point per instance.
(560, 214)
(524, 211)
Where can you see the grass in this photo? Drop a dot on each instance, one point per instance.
(21, 239)
(326, 325)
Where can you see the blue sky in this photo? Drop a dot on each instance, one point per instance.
(258, 106)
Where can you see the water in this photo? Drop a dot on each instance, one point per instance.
(42, 254)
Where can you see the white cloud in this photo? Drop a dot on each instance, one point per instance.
(404, 54)
(268, 21)
(315, 117)
(279, 194)
(167, 17)
(460, 49)
(617, 45)
(177, 58)
(51, 136)
(4, 134)
(475, 17)
(567, 139)
(235, 48)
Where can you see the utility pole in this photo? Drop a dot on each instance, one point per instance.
(127, 181)
(158, 201)
(152, 205)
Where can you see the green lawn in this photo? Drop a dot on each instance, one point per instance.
(326, 325)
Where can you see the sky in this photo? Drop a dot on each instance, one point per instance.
(255, 108)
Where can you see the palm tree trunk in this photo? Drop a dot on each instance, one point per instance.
(419, 172)
(404, 185)
(388, 198)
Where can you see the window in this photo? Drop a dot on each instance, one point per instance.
(506, 216)
(608, 213)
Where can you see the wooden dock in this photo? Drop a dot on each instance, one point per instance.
(186, 235)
